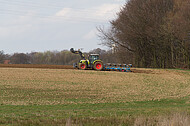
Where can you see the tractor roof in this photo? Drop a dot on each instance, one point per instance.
(94, 54)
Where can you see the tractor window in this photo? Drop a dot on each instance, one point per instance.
(96, 57)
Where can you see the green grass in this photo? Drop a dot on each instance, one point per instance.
(102, 109)
(109, 111)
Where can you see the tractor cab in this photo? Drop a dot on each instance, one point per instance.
(93, 57)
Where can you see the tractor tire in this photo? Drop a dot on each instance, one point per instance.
(82, 66)
(98, 66)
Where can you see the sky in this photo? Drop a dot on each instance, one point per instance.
(48, 25)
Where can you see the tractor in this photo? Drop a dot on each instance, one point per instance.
(93, 61)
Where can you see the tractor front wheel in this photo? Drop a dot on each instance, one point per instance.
(82, 66)
(98, 66)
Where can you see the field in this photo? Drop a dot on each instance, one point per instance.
(74, 97)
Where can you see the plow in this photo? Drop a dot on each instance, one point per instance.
(117, 67)
(93, 62)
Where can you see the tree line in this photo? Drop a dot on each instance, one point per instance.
(151, 33)
(64, 57)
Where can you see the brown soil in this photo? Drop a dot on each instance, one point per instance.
(142, 71)
(36, 66)
(44, 66)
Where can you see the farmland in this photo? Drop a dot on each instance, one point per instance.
(41, 66)
(66, 96)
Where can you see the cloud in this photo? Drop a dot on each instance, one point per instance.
(64, 12)
(119, 0)
(102, 13)
(107, 10)
(17, 27)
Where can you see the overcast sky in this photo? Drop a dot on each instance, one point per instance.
(42, 25)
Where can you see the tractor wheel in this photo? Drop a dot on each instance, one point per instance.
(98, 66)
(82, 66)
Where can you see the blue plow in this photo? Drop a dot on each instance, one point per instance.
(117, 67)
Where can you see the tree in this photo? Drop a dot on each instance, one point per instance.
(2, 56)
(145, 30)
(19, 58)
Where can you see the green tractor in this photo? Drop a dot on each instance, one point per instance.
(92, 62)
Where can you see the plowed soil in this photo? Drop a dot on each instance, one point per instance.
(44, 66)
(137, 70)
(36, 66)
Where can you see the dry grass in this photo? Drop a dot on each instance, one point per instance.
(172, 120)
(54, 86)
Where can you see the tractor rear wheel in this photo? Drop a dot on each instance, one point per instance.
(98, 66)
(82, 66)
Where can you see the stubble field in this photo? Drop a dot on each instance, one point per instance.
(76, 97)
